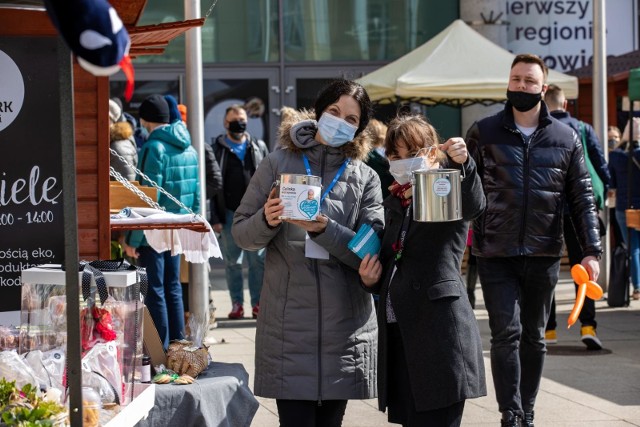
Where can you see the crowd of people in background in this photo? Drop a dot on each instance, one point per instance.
(238, 154)
(593, 154)
(400, 324)
(624, 156)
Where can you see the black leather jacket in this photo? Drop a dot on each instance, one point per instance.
(256, 151)
(526, 185)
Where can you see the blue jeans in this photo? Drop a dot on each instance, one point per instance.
(233, 256)
(517, 294)
(633, 247)
(164, 296)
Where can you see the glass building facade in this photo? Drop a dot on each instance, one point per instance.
(275, 53)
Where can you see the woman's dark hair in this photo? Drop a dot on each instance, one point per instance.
(334, 90)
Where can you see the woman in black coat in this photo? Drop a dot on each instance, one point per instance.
(430, 353)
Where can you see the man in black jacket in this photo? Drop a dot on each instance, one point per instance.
(529, 164)
(557, 105)
(238, 154)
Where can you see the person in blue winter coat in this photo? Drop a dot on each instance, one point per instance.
(168, 159)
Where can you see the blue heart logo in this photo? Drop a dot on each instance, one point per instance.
(308, 207)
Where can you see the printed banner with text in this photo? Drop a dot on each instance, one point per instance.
(561, 31)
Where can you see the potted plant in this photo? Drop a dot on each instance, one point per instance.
(24, 408)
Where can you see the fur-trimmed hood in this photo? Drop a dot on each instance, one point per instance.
(297, 132)
(120, 131)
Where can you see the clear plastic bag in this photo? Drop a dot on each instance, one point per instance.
(48, 366)
(198, 329)
(102, 372)
(37, 330)
(13, 368)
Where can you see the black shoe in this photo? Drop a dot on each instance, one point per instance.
(527, 421)
(509, 419)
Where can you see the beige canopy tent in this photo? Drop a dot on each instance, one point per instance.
(457, 67)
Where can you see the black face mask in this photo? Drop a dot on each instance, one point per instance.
(523, 101)
(612, 143)
(237, 126)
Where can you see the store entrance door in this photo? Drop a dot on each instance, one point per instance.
(255, 90)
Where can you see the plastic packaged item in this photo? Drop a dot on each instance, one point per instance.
(101, 371)
(13, 368)
(9, 338)
(111, 312)
(48, 366)
(184, 358)
(90, 407)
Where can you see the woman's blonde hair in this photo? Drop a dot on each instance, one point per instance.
(377, 128)
(416, 132)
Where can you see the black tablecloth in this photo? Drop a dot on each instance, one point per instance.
(220, 397)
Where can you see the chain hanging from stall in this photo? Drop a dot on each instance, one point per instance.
(197, 221)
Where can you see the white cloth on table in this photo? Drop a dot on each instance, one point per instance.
(196, 246)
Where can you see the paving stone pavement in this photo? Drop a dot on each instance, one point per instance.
(579, 387)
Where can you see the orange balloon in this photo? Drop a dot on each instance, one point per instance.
(594, 291)
(579, 274)
(586, 287)
(577, 307)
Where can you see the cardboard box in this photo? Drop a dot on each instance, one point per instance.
(152, 342)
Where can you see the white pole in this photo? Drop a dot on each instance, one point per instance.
(198, 273)
(600, 123)
(472, 11)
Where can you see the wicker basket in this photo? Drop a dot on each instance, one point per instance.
(633, 218)
(185, 359)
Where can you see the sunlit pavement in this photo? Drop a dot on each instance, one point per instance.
(579, 387)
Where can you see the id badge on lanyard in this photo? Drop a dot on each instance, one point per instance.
(311, 248)
(314, 250)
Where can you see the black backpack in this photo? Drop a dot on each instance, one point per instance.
(618, 292)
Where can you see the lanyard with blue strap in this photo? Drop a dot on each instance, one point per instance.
(335, 179)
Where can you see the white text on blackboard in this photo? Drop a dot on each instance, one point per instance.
(32, 191)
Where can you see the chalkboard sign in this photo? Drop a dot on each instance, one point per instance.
(31, 222)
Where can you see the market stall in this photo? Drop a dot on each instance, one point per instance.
(457, 67)
(54, 209)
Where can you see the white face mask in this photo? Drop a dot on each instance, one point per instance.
(402, 170)
(335, 131)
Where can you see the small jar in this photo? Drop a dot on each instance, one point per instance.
(91, 405)
(145, 372)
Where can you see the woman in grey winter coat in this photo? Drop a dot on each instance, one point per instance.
(430, 353)
(121, 136)
(316, 336)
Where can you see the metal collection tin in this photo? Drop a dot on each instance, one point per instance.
(300, 196)
(437, 195)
